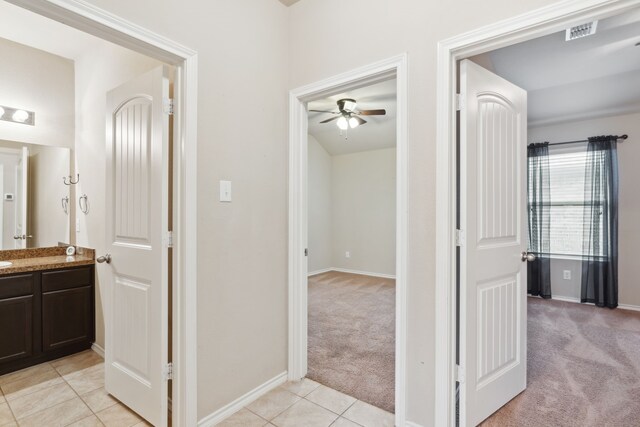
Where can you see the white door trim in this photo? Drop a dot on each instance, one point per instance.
(107, 26)
(392, 67)
(524, 27)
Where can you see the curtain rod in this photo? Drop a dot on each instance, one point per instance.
(623, 137)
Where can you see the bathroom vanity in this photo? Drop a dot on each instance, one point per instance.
(47, 305)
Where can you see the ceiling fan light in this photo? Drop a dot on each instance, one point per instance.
(353, 122)
(342, 123)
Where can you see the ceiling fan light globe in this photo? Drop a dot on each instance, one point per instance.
(342, 123)
(353, 122)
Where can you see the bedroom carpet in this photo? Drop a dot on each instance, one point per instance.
(583, 368)
(352, 336)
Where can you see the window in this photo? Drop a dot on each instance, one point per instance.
(566, 204)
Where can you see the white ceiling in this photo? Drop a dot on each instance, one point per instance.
(18, 24)
(598, 75)
(379, 131)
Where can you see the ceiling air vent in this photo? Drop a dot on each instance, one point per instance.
(580, 31)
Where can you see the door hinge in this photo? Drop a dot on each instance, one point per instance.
(460, 374)
(168, 371)
(306, 251)
(459, 102)
(460, 241)
(167, 106)
(168, 239)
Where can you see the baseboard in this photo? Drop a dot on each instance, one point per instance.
(233, 407)
(577, 300)
(95, 347)
(364, 273)
(411, 424)
(315, 273)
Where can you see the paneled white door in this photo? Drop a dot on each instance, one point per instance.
(136, 224)
(493, 317)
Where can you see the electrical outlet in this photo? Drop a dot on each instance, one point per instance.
(347, 254)
(566, 274)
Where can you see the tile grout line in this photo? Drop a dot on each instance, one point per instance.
(82, 400)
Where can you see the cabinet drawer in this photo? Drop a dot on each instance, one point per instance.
(65, 279)
(15, 286)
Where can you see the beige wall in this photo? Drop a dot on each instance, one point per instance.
(363, 196)
(41, 82)
(98, 70)
(319, 209)
(393, 27)
(629, 201)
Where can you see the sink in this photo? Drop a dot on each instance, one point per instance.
(5, 264)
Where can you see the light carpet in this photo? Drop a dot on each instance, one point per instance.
(352, 336)
(583, 368)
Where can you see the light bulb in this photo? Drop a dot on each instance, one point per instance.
(342, 123)
(353, 122)
(1, 111)
(20, 116)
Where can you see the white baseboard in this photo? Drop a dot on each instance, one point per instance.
(411, 424)
(577, 300)
(346, 270)
(233, 407)
(95, 347)
(315, 273)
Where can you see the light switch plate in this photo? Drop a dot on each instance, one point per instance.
(566, 274)
(225, 191)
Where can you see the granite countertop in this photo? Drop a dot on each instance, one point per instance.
(25, 260)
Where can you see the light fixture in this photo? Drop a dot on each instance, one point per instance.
(17, 115)
(20, 116)
(342, 123)
(353, 122)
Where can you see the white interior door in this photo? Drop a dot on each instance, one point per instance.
(136, 224)
(493, 317)
(22, 196)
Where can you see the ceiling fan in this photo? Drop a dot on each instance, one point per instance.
(348, 116)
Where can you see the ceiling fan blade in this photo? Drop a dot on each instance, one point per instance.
(380, 112)
(331, 119)
(324, 111)
(360, 120)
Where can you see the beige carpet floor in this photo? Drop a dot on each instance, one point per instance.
(583, 368)
(352, 336)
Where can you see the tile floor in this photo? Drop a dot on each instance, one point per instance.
(63, 392)
(309, 404)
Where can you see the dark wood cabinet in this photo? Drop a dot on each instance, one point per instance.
(45, 315)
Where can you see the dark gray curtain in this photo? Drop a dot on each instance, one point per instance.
(600, 263)
(539, 271)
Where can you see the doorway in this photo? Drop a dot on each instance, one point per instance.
(540, 23)
(110, 28)
(298, 219)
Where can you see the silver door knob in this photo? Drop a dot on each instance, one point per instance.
(17, 237)
(527, 256)
(105, 258)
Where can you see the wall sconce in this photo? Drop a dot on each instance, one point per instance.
(17, 115)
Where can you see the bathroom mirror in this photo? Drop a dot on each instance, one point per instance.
(36, 205)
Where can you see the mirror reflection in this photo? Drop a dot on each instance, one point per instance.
(36, 204)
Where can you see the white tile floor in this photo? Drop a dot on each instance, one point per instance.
(309, 404)
(63, 392)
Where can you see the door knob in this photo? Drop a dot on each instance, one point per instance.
(17, 237)
(105, 258)
(527, 256)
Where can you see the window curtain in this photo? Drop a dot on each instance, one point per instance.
(600, 262)
(539, 270)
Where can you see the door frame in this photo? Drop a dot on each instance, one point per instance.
(298, 165)
(530, 25)
(107, 26)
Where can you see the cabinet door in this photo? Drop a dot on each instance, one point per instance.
(16, 328)
(67, 317)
